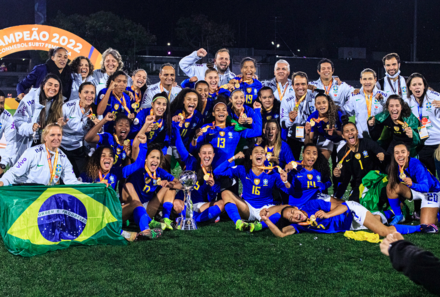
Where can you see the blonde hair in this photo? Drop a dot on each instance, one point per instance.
(116, 55)
(437, 153)
(47, 129)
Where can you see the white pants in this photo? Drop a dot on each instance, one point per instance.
(326, 144)
(254, 213)
(359, 214)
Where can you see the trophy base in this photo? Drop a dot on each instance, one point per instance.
(186, 224)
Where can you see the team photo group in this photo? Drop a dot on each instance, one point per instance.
(286, 154)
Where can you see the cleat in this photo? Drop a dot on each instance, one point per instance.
(431, 228)
(416, 216)
(257, 226)
(129, 236)
(241, 226)
(397, 219)
(157, 225)
(217, 219)
(168, 223)
(149, 234)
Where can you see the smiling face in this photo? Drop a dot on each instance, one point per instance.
(310, 155)
(281, 72)
(203, 91)
(190, 102)
(139, 79)
(153, 160)
(326, 71)
(237, 100)
(417, 87)
(401, 155)
(51, 88)
(300, 85)
(159, 106)
(222, 61)
(83, 68)
(294, 215)
(206, 155)
(368, 81)
(248, 70)
(107, 159)
(120, 83)
(350, 134)
(391, 66)
(110, 64)
(258, 156)
(271, 131)
(321, 104)
(87, 95)
(167, 76)
(60, 58)
(53, 138)
(122, 128)
(266, 98)
(394, 108)
(220, 113)
(212, 79)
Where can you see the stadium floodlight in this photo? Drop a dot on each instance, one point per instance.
(168, 44)
(278, 45)
(273, 43)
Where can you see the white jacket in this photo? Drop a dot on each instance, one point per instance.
(7, 128)
(155, 89)
(357, 105)
(339, 93)
(33, 167)
(77, 126)
(190, 68)
(305, 109)
(76, 83)
(273, 85)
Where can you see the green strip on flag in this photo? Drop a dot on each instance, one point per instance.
(38, 219)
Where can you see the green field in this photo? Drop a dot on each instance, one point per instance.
(215, 260)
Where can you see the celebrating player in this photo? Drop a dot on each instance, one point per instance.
(137, 89)
(82, 71)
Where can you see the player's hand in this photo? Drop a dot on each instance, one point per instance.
(249, 121)
(283, 174)
(264, 212)
(234, 81)
(239, 155)
(338, 80)
(62, 121)
(109, 117)
(308, 128)
(409, 132)
(127, 149)
(112, 86)
(20, 96)
(199, 132)
(131, 115)
(408, 181)
(381, 156)
(201, 53)
(379, 96)
(436, 103)
(330, 131)
(1, 184)
(103, 182)
(257, 104)
(293, 114)
(210, 181)
(35, 127)
(242, 120)
(371, 121)
(288, 167)
(337, 172)
(193, 79)
(142, 138)
(311, 88)
(176, 118)
(164, 183)
(321, 214)
(178, 205)
(391, 238)
(96, 121)
(356, 91)
(131, 96)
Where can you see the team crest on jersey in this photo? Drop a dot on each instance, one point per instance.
(112, 179)
(255, 92)
(116, 106)
(186, 125)
(58, 168)
(265, 182)
(396, 128)
(428, 105)
(403, 89)
(318, 178)
(230, 134)
(312, 108)
(118, 151)
(310, 176)
(222, 133)
(256, 181)
(268, 118)
(194, 125)
(365, 153)
(357, 156)
(249, 90)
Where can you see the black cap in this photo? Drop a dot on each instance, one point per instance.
(2, 94)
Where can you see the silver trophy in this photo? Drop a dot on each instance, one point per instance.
(186, 222)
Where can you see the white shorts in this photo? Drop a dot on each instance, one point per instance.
(172, 151)
(197, 206)
(429, 200)
(326, 144)
(254, 213)
(359, 214)
(324, 197)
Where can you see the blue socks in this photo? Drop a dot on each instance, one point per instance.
(388, 214)
(395, 206)
(141, 218)
(273, 218)
(407, 229)
(208, 214)
(167, 208)
(232, 211)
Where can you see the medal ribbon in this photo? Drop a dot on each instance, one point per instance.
(122, 101)
(300, 100)
(52, 169)
(83, 111)
(327, 90)
(204, 170)
(153, 176)
(158, 123)
(101, 178)
(342, 160)
(279, 91)
(161, 89)
(137, 96)
(369, 101)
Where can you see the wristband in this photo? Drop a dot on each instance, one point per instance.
(233, 157)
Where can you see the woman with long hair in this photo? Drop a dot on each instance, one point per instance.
(202, 87)
(277, 151)
(36, 110)
(82, 71)
(138, 88)
(399, 121)
(409, 179)
(270, 108)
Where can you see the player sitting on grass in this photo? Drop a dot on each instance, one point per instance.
(258, 182)
(320, 216)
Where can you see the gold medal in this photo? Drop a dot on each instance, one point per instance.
(127, 142)
(158, 180)
(244, 116)
(339, 166)
(312, 122)
(206, 177)
(105, 181)
(205, 129)
(155, 126)
(93, 117)
(402, 176)
(135, 105)
(295, 108)
(237, 85)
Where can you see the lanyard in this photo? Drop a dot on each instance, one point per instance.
(169, 94)
(299, 102)
(137, 96)
(369, 101)
(339, 165)
(420, 113)
(183, 117)
(402, 173)
(279, 90)
(153, 176)
(103, 178)
(327, 90)
(83, 111)
(122, 101)
(398, 83)
(52, 169)
(206, 175)
(158, 124)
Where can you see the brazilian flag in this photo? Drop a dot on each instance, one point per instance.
(38, 219)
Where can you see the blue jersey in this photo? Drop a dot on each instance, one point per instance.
(273, 114)
(285, 156)
(250, 90)
(225, 140)
(249, 112)
(306, 186)
(320, 127)
(189, 126)
(187, 84)
(118, 149)
(257, 189)
(117, 173)
(339, 223)
(207, 111)
(145, 186)
(423, 181)
(136, 103)
(114, 106)
(158, 135)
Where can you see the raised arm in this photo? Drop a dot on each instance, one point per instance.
(102, 106)
(92, 136)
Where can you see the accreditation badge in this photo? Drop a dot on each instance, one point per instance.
(423, 132)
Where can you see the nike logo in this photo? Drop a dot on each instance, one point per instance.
(39, 165)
